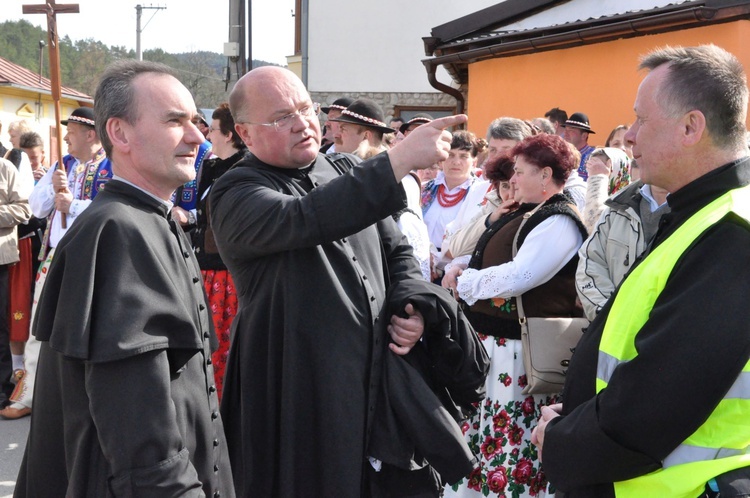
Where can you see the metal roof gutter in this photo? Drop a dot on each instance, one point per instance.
(453, 92)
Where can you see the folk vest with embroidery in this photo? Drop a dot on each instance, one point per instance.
(96, 173)
(186, 196)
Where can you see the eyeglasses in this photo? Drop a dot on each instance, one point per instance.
(286, 122)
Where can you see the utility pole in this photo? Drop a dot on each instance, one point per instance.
(138, 9)
(236, 48)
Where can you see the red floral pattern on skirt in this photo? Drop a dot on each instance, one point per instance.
(499, 433)
(222, 301)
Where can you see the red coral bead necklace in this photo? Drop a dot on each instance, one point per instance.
(450, 200)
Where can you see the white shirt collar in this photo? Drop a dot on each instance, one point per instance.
(169, 204)
(646, 193)
(440, 180)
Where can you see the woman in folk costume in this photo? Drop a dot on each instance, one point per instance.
(543, 271)
(609, 171)
(227, 148)
(452, 199)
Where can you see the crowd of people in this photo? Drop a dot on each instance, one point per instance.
(278, 303)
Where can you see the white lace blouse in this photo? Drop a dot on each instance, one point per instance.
(547, 248)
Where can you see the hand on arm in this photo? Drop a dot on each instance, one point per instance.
(39, 173)
(450, 279)
(406, 332)
(63, 200)
(181, 216)
(504, 208)
(63, 197)
(59, 180)
(596, 168)
(537, 435)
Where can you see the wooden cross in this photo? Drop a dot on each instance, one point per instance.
(51, 9)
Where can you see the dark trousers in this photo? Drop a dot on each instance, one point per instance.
(6, 360)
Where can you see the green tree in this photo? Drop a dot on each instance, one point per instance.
(82, 62)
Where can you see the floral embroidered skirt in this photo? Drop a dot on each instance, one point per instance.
(222, 301)
(500, 432)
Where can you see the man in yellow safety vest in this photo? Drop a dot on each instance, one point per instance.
(657, 396)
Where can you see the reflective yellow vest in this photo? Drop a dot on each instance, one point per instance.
(722, 443)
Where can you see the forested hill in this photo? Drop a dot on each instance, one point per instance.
(81, 62)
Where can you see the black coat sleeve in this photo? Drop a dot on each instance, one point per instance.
(690, 352)
(253, 217)
(137, 427)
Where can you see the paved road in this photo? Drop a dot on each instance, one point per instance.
(12, 443)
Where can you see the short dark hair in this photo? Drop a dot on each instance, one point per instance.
(114, 96)
(708, 79)
(499, 169)
(30, 139)
(226, 124)
(465, 140)
(556, 115)
(551, 151)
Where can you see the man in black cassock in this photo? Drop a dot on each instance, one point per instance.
(125, 402)
(313, 252)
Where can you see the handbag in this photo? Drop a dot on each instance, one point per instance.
(547, 343)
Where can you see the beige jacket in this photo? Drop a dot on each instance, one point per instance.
(14, 210)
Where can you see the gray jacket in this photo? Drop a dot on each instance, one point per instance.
(14, 210)
(608, 254)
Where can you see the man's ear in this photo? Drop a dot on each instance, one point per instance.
(693, 127)
(118, 133)
(244, 133)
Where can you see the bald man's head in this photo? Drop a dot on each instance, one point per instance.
(259, 101)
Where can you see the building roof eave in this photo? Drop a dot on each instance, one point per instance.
(77, 97)
(457, 58)
(494, 15)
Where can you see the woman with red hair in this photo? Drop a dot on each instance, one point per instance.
(543, 271)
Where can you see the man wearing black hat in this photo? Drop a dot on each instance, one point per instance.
(577, 132)
(333, 111)
(202, 124)
(416, 121)
(362, 121)
(58, 192)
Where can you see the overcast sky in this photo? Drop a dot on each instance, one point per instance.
(185, 25)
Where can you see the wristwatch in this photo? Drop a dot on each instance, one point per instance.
(192, 220)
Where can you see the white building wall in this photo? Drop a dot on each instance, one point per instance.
(363, 47)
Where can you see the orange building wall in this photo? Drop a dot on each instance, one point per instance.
(599, 80)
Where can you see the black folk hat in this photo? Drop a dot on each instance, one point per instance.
(338, 104)
(579, 120)
(82, 115)
(418, 119)
(365, 112)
